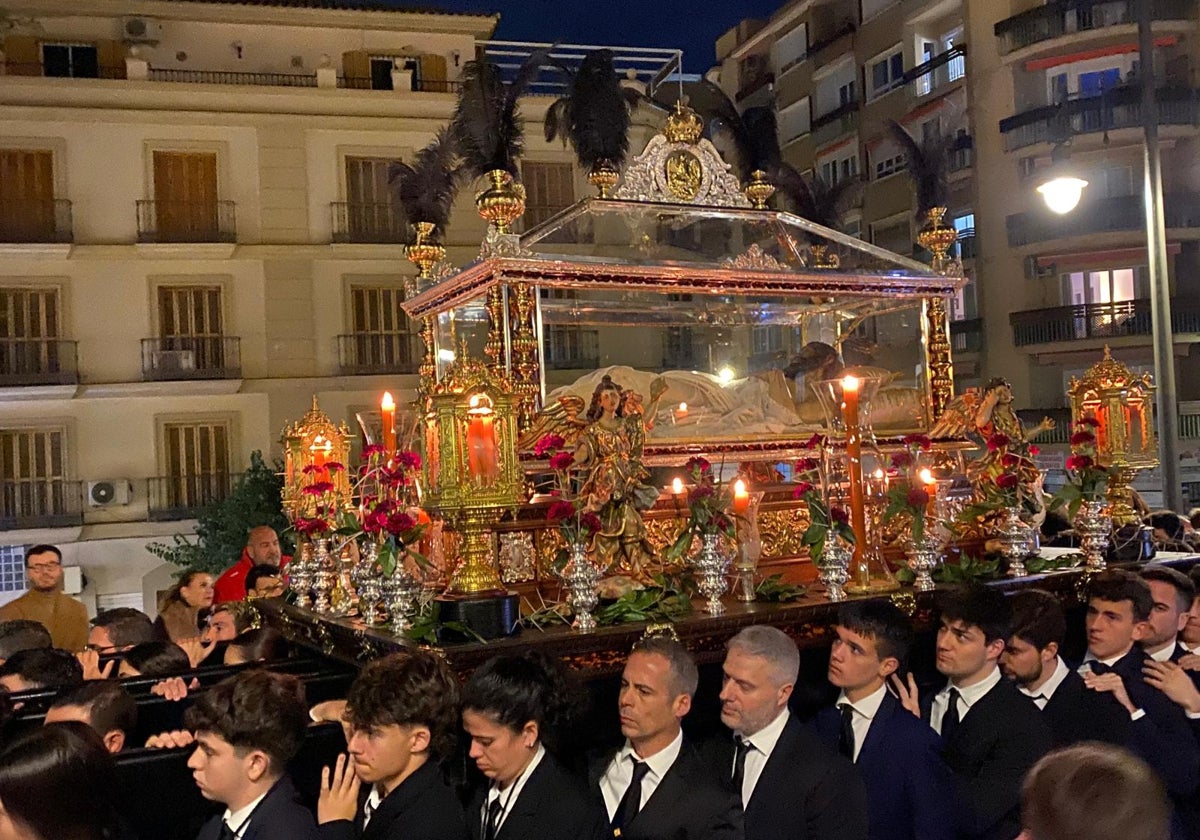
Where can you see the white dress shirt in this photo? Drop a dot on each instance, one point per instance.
(762, 743)
(508, 797)
(967, 697)
(374, 799)
(239, 820)
(1086, 668)
(620, 773)
(864, 712)
(1042, 694)
(1163, 655)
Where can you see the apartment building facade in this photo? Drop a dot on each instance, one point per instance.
(197, 236)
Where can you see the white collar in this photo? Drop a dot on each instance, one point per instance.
(972, 694)
(510, 794)
(1112, 660)
(765, 739)
(868, 707)
(236, 820)
(661, 761)
(1051, 685)
(1165, 654)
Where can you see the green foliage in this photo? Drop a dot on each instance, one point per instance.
(222, 527)
(966, 570)
(666, 600)
(774, 590)
(1041, 565)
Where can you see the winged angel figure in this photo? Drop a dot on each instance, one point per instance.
(609, 438)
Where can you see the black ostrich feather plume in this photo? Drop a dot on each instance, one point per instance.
(928, 166)
(594, 115)
(819, 202)
(487, 125)
(426, 188)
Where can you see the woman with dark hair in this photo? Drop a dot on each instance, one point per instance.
(56, 784)
(179, 610)
(513, 706)
(154, 659)
(261, 644)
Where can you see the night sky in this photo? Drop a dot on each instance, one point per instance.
(690, 26)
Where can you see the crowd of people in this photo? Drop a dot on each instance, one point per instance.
(1013, 741)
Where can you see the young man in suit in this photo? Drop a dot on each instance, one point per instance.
(401, 717)
(246, 729)
(1172, 593)
(1031, 660)
(657, 787)
(910, 791)
(991, 733)
(792, 786)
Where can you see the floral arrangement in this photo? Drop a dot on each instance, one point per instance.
(910, 498)
(822, 517)
(389, 513)
(576, 524)
(327, 518)
(1087, 481)
(707, 503)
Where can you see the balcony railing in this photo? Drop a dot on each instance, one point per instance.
(36, 68)
(817, 47)
(1098, 320)
(966, 336)
(419, 85)
(756, 82)
(175, 497)
(224, 77)
(40, 503)
(1066, 17)
(1105, 215)
(35, 220)
(374, 353)
(186, 221)
(1118, 108)
(37, 361)
(191, 357)
(839, 121)
(938, 72)
(369, 223)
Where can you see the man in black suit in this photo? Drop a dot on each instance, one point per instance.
(401, 717)
(991, 733)
(656, 787)
(1031, 660)
(1172, 593)
(792, 786)
(246, 729)
(910, 791)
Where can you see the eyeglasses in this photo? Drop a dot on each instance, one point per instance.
(102, 649)
(45, 567)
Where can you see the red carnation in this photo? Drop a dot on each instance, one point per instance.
(408, 460)
(998, 441)
(901, 460)
(561, 460)
(817, 440)
(1082, 438)
(560, 510)
(922, 441)
(335, 466)
(802, 489)
(318, 488)
(372, 449)
(698, 493)
(1080, 462)
(1007, 481)
(1010, 460)
(698, 465)
(806, 465)
(400, 523)
(547, 444)
(311, 469)
(839, 515)
(591, 523)
(1035, 451)
(918, 497)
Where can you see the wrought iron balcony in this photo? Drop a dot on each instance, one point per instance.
(1118, 108)
(1105, 215)
(1098, 321)
(1068, 17)
(186, 221)
(224, 77)
(375, 353)
(966, 336)
(35, 220)
(175, 497)
(40, 503)
(817, 47)
(939, 71)
(839, 121)
(418, 85)
(359, 222)
(191, 357)
(38, 361)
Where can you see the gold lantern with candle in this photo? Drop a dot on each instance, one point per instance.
(1122, 403)
(471, 470)
(310, 446)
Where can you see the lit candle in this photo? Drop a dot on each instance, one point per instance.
(387, 407)
(741, 497)
(320, 449)
(930, 483)
(481, 442)
(681, 412)
(677, 486)
(858, 511)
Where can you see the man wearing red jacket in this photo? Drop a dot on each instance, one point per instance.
(262, 546)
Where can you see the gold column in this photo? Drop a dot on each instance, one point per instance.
(939, 364)
(494, 348)
(427, 372)
(526, 371)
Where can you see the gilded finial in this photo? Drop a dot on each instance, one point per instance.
(684, 125)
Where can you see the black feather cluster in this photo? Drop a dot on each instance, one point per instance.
(928, 166)
(813, 199)
(594, 115)
(487, 125)
(426, 188)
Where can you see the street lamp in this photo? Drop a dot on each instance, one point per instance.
(1063, 187)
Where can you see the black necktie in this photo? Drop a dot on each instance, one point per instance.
(950, 718)
(226, 833)
(741, 748)
(846, 736)
(631, 801)
(491, 825)
(1099, 668)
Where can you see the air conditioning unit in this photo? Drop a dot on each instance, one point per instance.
(108, 492)
(172, 361)
(1033, 271)
(140, 30)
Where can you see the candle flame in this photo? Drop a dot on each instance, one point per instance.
(878, 473)
(739, 488)
(677, 485)
(682, 407)
(387, 403)
(850, 383)
(926, 475)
